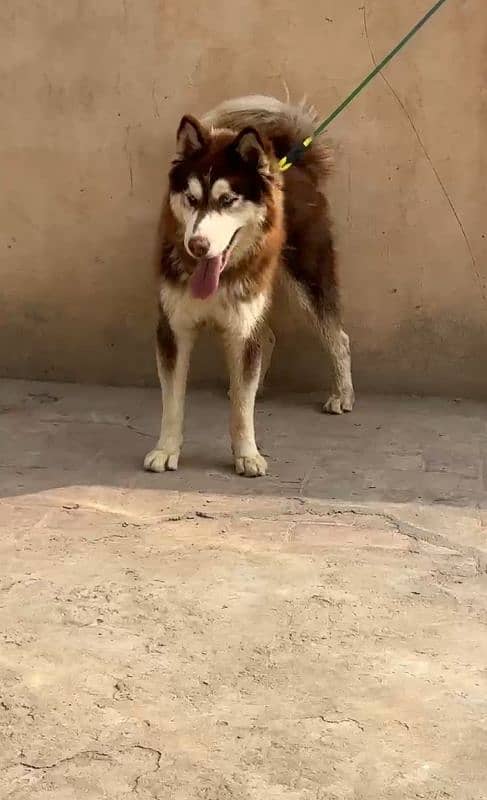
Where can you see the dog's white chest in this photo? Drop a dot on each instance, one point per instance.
(222, 311)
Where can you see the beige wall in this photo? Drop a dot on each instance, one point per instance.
(91, 91)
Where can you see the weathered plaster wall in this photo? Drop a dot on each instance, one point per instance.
(91, 94)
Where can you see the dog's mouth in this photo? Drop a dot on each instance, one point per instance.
(206, 277)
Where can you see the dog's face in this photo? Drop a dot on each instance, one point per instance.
(219, 190)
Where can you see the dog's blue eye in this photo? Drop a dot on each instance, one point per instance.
(192, 200)
(226, 200)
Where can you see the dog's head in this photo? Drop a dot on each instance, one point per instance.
(221, 186)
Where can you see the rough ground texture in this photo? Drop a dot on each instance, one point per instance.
(316, 635)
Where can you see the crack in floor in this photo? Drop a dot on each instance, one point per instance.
(139, 778)
(95, 755)
(91, 755)
(400, 526)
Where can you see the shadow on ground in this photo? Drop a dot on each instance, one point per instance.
(389, 449)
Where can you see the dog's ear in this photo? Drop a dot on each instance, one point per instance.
(252, 150)
(191, 137)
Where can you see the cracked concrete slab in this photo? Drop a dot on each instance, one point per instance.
(317, 634)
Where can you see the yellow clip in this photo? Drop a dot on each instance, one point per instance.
(284, 164)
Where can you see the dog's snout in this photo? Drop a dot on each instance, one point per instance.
(199, 246)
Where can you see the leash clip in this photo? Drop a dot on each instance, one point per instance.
(295, 154)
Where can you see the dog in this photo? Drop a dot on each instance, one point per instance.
(232, 223)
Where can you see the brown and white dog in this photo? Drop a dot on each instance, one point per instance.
(231, 222)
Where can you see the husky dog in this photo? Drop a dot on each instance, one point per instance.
(231, 222)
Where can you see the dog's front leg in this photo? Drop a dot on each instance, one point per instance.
(244, 362)
(173, 351)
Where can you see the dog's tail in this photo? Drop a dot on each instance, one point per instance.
(283, 123)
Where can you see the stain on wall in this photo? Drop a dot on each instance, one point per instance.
(92, 93)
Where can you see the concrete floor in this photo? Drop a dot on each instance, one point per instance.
(319, 634)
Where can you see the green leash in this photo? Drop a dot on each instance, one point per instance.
(297, 151)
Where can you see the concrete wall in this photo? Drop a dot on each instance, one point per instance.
(91, 93)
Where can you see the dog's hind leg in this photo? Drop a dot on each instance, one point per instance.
(173, 353)
(323, 307)
(337, 343)
(310, 262)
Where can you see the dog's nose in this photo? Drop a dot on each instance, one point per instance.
(199, 246)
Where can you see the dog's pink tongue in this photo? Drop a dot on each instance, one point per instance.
(205, 278)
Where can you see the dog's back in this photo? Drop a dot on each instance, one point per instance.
(285, 125)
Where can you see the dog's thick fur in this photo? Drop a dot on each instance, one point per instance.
(231, 222)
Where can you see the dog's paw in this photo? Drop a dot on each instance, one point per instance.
(251, 466)
(161, 460)
(338, 403)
